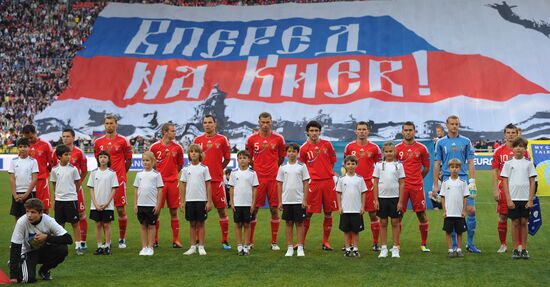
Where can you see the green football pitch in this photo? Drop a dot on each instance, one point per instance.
(168, 267)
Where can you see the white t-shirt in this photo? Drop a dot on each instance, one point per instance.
(242, 182)
(23, 168)
(454, 191)
(147, 184)
(24, 232)
(293, 176)
(518, 172)
(195, 177)
(64, 178)
(388, 174)
(103, 182)
(351, 188)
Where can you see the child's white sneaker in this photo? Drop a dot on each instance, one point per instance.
(150, 251)
(191, 250)
(383, 252)
(202, 252)
(289, 252)
(300, 252)
(395, 252)
(143, 251)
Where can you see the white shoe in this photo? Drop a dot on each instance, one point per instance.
(275, 247)
(300, 252)
(289, 252)
(150, 251)
(202, 252)
(383, 252)
(143, 251)
(502, 249)
(122, 243)
(191, 250)
(395, 252)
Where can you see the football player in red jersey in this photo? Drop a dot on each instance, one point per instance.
(42, 151)
(169, 156)
(368, 154)
(416, 161)
(268, 152)
(120, 150)
(217, 153)
(319, 157)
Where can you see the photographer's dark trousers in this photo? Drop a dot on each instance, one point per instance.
(49, 256)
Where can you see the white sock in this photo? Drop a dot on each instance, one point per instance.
(300, 247)
(384, 246)
(458, 249)
(355, 249)
(450, 250)
(77, 244)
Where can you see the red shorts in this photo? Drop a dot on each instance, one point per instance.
(267, 188)
(81, 207)
(418, 199)
(218, 194)
(369, 201)
(502, 206)
(120, 194)
(322, 193)
(171, 195)
(43, 192)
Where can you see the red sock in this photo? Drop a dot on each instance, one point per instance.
(375, 228)
(83, 228)
(122, 224)
(175, 224)
(252, 228)
(307, 222)
(274, 229)
(327, 227)
(502, 230)
(157, 227)
(423, 227)
(224, 226)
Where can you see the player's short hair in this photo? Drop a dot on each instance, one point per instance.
(243, 153)
(227, 171)
(452, 117)
(408, 123)
(351, 158)
(28, 129)
(293, 146)
(105, 153)
(454, 161)
(212, 117)
(110, 117)
(197, 148)
(388, 144)
(166, 126)
(23, 142)
(61, 149)
(69, 130)
(510, 126)
(519, 141)
(264, 115)
(34, 203)
(150, 156)
(438, 126)
(362, 123)
(313, 124)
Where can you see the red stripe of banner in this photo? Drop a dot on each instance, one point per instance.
(444, 76)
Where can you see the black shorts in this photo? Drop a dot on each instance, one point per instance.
(195, 211)
(146, 216)
(66, 211)
(456, 224)
(294, 212)
(351, 222)
(520, 211)
(242, 214)
(387, 207)
(18, 208)
(102, 216)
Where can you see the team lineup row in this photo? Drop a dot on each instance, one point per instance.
(381, 188)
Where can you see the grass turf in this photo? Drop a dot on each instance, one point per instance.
(168, 267)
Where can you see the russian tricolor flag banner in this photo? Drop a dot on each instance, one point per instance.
(380, 61)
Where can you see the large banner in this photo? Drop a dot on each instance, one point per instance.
(540, 152)
(384, 62)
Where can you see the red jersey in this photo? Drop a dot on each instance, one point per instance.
(169, 159)
(42, 151)
(502, 154)
(368, 155)
(78, 160)
(265, 152)
(319, 159)
(216, 150)
(119, 149)
(413, 157)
